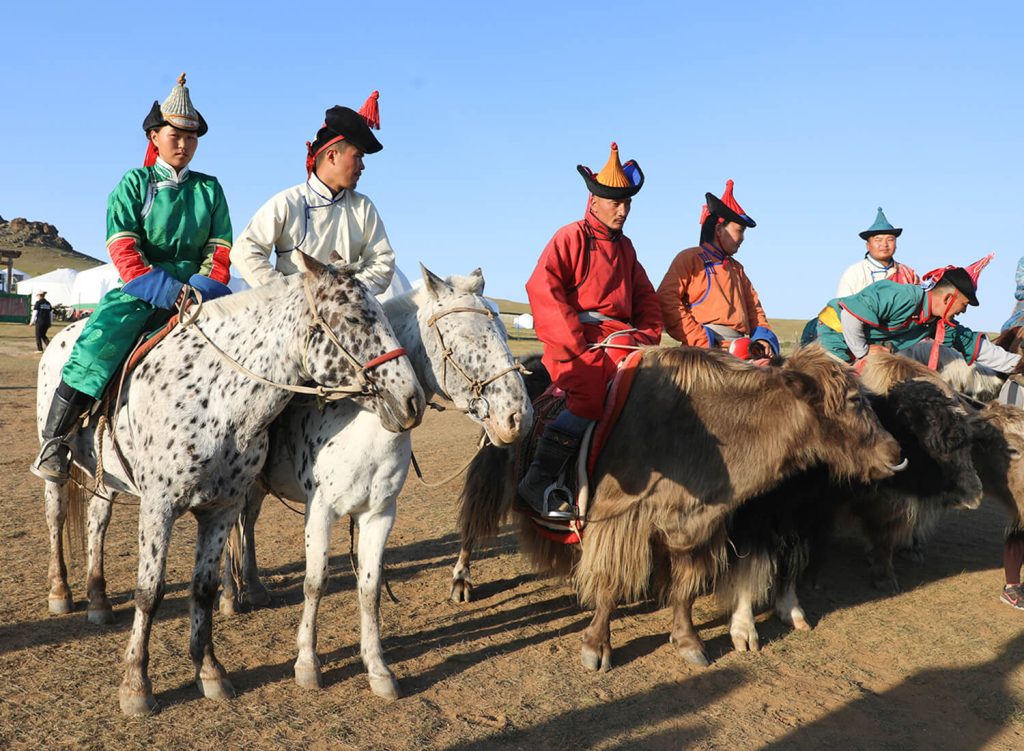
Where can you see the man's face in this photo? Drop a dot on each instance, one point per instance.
(610, 212)
(341, 167)
(176, 147)
(950, 304)
(882, 247)
(730, 236)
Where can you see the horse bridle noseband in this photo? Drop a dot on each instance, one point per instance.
(476, 385)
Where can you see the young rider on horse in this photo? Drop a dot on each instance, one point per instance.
(166, 227)
(706, 298)
(588, 291)
(325, 213)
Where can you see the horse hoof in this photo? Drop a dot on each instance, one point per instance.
(217, 689)
(385, 686)
(229, 606)
(61, 605)
(138, 705)
(102, 616)
(308, 676)
(462, 591)
(258, 598)
(744, 644)
(800, 624)
(596, 660)
(695, 657)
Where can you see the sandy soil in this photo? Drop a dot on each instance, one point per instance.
(938, 666)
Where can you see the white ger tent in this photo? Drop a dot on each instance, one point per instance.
(92, 284)
(57, 284)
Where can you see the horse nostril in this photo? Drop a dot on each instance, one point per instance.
(513, 423)
(414, 405)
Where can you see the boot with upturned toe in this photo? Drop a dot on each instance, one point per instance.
(54, 459)
(540, 488)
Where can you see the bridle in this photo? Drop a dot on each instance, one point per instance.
(476, 385)
(366, 386)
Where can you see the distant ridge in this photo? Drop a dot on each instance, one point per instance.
(42, 248)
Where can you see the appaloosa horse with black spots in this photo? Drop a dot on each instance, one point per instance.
(340, 461)
(189, 432)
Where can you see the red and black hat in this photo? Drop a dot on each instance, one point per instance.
(615, 180)
(344, 124)
(964, 279)
(725, 209)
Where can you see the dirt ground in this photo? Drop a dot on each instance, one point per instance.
(939, 666)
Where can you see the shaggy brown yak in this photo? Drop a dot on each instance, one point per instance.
(701, 432)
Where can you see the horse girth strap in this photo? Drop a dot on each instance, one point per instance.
(447, 353)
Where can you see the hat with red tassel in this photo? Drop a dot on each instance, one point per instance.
(177, 111)
(725, 209)
(615, 180)
(965, 279)
(344, 124)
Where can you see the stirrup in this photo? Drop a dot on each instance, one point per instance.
(50, 451)
(555, 489)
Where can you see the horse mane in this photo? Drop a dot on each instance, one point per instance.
(412, 300)
(239, 303)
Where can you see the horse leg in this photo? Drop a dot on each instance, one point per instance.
(596, 653)
(100, 612)
(214, 526)
(136, 692)
(787, 607)
(59, 599)
(319, 519)
(462, 586)
(374, 528)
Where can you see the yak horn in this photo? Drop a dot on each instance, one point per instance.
(901, 466)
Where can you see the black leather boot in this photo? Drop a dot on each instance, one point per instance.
(540, 488)
(66, 410)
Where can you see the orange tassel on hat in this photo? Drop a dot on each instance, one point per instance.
(612, 173)
(371, 111)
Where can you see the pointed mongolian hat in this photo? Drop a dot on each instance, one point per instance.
(964, 279)
(615, 180)
(177, 110)
(726, 209)
(344, 124)
(881, 227)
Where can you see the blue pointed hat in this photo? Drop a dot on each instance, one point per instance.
(880, 227)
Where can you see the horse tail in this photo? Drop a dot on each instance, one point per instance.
(487, 494)
(77, 508)
(233, 562)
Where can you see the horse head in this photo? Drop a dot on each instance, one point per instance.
(350, 344)
(469, 358)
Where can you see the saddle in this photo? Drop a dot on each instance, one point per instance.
(546, 407)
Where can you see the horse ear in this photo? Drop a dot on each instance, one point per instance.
(307, 264)
(476, 280)
(435, 284)
(335, 257)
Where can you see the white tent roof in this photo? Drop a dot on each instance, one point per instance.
(92, 284)
(57, 284)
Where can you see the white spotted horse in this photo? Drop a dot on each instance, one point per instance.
(188, 432)
(339, 461)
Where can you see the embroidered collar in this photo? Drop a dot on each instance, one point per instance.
(714, 253)
(599, 230)
(878, 264)
(167, 174)
(321, 192)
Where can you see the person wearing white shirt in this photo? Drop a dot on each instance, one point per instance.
(878, 263)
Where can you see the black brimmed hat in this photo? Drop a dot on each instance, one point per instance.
(615, 180)
(344, 124)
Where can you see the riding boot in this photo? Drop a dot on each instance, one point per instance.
(540, 488)
(66, 409)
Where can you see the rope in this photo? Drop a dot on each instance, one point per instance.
(271, 491)
(459, 471)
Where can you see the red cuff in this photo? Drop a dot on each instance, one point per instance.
(221, 269)
(127, 260)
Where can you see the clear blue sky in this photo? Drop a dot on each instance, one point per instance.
(820, 113)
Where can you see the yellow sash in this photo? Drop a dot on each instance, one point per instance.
(830, 318)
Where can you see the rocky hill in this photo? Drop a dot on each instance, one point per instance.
(42, 248)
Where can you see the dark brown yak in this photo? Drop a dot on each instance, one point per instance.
(701, 432)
